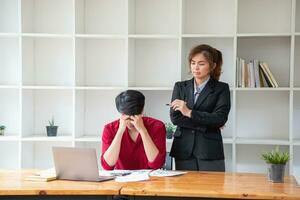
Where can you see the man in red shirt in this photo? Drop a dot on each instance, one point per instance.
(133, 142)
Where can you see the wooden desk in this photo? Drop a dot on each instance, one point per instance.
(12, 184)
(214, 185)
(193, 184)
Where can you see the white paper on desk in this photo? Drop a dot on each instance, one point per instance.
(164, 173)
(134, 176)
(118, 172)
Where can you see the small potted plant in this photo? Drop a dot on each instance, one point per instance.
(2, 129)
(51, 129)
(170, 129)
(276, 161)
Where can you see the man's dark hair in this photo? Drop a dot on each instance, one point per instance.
(130, 102)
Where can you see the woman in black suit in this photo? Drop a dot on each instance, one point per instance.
(200, 108)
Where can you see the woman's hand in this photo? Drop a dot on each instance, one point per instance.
(138, 123)
(179, 105)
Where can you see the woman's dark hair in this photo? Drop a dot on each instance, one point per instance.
(212, 55)
(130, 102)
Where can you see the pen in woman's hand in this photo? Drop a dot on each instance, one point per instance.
(168, 104)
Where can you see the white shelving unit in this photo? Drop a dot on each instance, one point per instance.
(70, 58)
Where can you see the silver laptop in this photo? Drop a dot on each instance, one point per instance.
(78, 164)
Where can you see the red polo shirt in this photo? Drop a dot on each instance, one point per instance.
(132, 154)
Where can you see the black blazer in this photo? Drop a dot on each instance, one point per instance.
(200, 135)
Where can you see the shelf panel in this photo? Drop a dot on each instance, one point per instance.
(9, 35)
(47, 87)
(46, 35)
(11, 137)
(241, 35)
(101, 36)
(263, 89)
(208, 36)
(85, 138)
(227, 140)
(262, 141)
(297, 62)
(44, 138)
(297, 19)
(296, 142)
(153, 36)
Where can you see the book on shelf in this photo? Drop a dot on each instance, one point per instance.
(271, 76)
(254, 74)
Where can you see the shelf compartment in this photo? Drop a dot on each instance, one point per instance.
(47, 16)
(222, 15)
(39, 106)
(48, 62)
(9, 17)
(262, 115)
(9, 155)
(101, 17)
(9, 111)
(259, 16)
(10, 68)
(153, 62)
(275, 51)
(101, 62)
(142, 19)
(249, 158)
